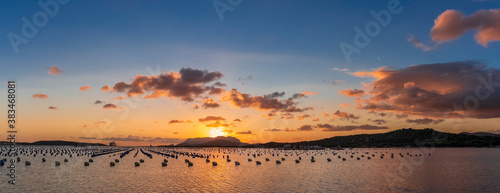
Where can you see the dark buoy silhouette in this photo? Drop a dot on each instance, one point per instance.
(258, 162)
(65, 160)
(137, 164)
(43, 160)
(58, 163)
(214, 163)
(328, 159)
(297, 161)
(164, 164)
(111, 163)
(237, 163)
(86, 164)
(27, 163)
(190, 164)
(267, 159)
(91, 160)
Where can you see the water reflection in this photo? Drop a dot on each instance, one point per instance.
(446, 170)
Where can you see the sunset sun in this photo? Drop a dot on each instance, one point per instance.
(215, 132)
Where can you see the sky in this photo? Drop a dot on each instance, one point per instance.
(159, 72)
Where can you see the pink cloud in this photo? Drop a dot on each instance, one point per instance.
(452, 24)
(84, 88)
(40, 96)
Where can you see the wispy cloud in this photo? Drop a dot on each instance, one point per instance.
(40, 96)
(85, 88)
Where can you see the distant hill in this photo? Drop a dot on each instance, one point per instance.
(481, 134)
(402, 138)
(57, 142)
(220, 141)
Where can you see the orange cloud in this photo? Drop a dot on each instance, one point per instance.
(328, 127)
(105, 88)
(377, 73)
(436, 90)
(244, 132)
(301, 117)
(266, 102)
(52, 107)
(352, 93)
(110, 106)
(174, 121)
(217, 124)
(54, 70)
(187, 84)
(211, 118)
(100, 122)
(309, 93)
(452, 24)
(424, 121)
(40, 96)
(210, 103)
(84, 88)
(305, 128)
(345, 115)
(344, 105)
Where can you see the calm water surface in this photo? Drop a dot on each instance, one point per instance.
(446, 170)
